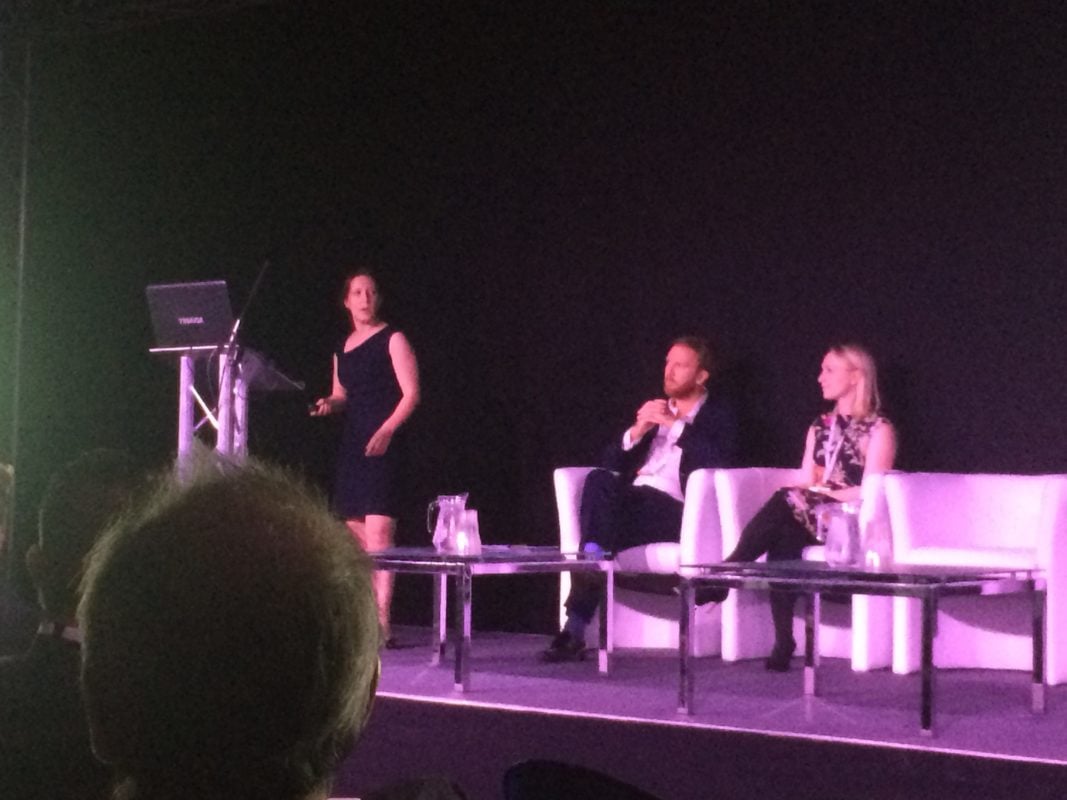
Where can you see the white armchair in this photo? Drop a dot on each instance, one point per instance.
(859, 631)
(982, 520)
(641, 619)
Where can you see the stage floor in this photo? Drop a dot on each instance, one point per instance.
(984, 729)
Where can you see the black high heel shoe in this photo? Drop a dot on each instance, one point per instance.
(703, 595)
(781, 655)
(564, 647)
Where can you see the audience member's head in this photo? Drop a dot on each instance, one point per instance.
(7, 486)
(81, 498)
(230, 640)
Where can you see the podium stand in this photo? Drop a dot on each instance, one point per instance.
(240, 371)
(192, 321)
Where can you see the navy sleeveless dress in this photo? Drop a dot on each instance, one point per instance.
(369, 485)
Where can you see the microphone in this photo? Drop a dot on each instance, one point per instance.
(248, 303)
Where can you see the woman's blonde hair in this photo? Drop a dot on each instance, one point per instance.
(868, 401)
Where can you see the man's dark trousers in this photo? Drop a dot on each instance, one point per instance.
(616, 515)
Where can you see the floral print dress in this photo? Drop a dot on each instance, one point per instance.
(840, 442)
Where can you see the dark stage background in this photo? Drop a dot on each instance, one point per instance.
(552, 192)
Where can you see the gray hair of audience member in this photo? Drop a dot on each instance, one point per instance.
(82, 497)
(7, 485)
(230, 642)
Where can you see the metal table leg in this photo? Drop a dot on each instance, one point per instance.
(1038, 688)
(929, 625)
(685, 649)
(440, 619)
(812, 617)
(462, 678)
(607, 619)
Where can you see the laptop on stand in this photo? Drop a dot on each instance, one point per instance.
(190, 316)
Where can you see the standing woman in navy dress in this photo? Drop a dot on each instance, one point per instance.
(376, 384)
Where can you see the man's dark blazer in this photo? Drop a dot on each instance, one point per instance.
(708, 442)
(44, 738)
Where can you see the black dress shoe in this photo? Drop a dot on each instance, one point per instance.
(709, 594)
(564, 647)
(703, 595)
(781, 655)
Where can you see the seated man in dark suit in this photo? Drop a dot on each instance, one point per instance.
(44, 739)
(231, 640)
(637, 498)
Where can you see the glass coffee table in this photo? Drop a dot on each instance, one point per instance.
(492, 560)
(812, 578)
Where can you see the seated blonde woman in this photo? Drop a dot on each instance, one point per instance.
(852, 440)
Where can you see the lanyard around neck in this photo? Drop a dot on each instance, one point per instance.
(835, 438)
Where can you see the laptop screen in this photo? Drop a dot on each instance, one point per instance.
(189, 316)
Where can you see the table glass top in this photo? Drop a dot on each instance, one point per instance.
(497, 553)
(896, 574)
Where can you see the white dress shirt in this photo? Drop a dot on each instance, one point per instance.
(661, 468)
